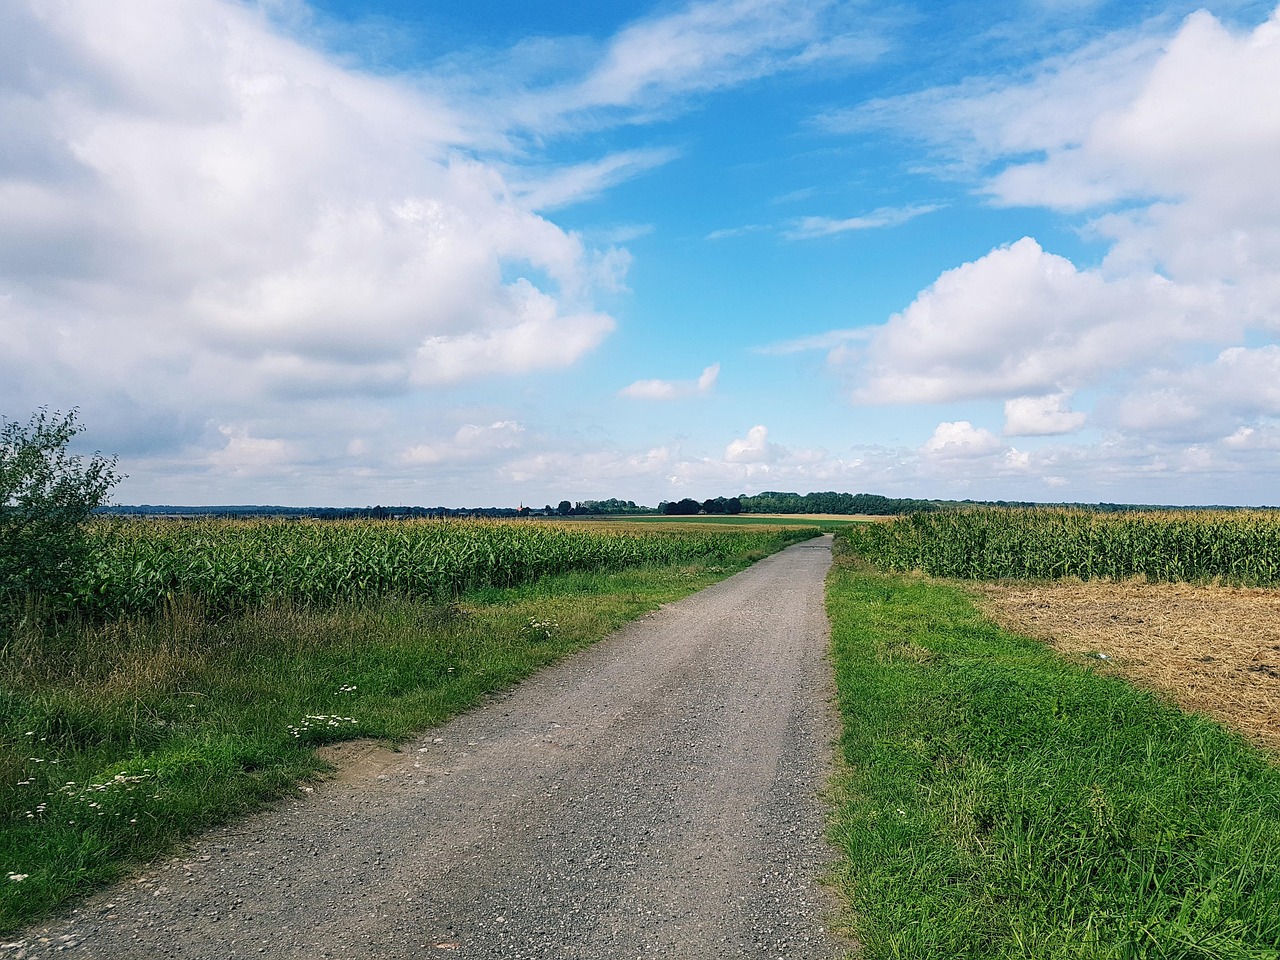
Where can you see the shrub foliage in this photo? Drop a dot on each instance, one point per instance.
(46, 494)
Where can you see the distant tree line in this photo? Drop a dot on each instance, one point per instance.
(689, 507)
(870, 504)
(593, 508)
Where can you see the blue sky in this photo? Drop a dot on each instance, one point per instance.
(473, 254)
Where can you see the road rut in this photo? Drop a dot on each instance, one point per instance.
(653, 795)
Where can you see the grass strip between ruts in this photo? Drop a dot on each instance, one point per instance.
(118, 740)
(997, 801)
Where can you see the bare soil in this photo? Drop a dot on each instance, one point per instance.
(1214, 650)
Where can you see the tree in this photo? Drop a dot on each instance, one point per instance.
(565, 509)
(686, 507)
(46, 494)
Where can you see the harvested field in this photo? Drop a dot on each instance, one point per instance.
(1212, 649)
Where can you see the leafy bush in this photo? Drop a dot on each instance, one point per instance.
(46, 494)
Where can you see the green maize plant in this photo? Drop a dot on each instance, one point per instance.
(1238, 547)
(137, 566)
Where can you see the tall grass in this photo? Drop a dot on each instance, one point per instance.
(1239, 547)
(1001, 802)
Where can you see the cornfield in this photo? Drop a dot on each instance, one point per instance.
(1238, 547)
(138, 566)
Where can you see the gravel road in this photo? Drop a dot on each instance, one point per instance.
(654, 795)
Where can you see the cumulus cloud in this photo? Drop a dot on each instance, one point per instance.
(198, 213)
(673, 389)
(1021, 321)
(1041, 416)
(1265, 437)
(1165, 143)
(1181, 134)
(244, 455)
(961, 440)
(753, 448)
(469, 442)
(1241, 386)
(960, 460)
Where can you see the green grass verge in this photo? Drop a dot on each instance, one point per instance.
(118, 741)
(1000, 802)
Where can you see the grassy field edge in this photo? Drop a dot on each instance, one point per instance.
(197, 721)
(998, 801)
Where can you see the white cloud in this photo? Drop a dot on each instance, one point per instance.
(743, 231)
(1020, 321)
(830, 340)
(754, 448)
(197, 212)
(983, 119)
(702, 47)
(1264, 437)
(244, 455)
(1169, 142)
(673, 389)
(1241, 386)
(960, 461)
(1204, 120)
(468, 443)
(810, 228)
(541, 339)
(961, 440)
(1041, 416)
(568, 185)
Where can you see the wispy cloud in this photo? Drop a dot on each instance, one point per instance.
(792, 196)
(819, 341)
(564, 186)
(654, 65)
(730, 232)
(1050, 106)
(673, 389)
(812, 228)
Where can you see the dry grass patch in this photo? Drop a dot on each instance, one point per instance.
(1213, 649)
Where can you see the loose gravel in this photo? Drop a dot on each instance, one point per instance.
(656, 795)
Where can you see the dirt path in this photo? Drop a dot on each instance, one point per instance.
(654, 795)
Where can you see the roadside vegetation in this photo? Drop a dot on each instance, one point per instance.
(185, 676)
(1000, 800)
